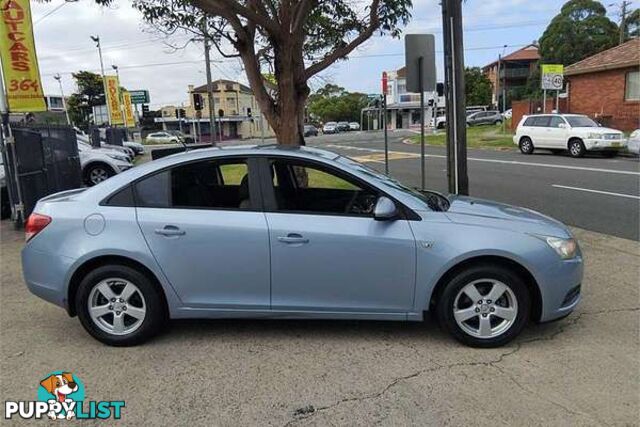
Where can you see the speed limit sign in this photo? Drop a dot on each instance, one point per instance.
(552, 77)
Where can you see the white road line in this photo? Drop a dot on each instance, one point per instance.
(508, 162)
(588, 190)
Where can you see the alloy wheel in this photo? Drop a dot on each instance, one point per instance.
(485, 308)
(576, 149)
(97, 175)
(117, 306)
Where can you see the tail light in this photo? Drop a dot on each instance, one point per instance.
(35, 224)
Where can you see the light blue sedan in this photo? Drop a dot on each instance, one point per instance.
(276, 232)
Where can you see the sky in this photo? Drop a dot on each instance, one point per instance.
(146, 59)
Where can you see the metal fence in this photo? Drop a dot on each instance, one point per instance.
(46, 161)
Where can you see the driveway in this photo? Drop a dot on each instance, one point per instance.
(583, 370)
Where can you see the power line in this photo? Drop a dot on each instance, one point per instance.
(51, 12)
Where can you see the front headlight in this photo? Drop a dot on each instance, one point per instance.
(594, 135)
(120, 157)
(565, 248)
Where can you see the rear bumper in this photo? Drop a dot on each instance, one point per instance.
(45, 273)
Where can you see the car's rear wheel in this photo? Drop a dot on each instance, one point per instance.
(526, 145)
(97, 173)
(576, 148)
(484, 306)
(120, 306)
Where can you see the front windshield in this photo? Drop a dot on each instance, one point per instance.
(434, 200)
(581, 122)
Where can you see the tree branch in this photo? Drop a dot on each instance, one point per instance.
(374, 23)
(226, 8)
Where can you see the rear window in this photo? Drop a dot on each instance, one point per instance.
(539, 121)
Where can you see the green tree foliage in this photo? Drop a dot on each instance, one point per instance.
(632, 25)
(334, 103)
(90, 93)
(477, 87)
(294, 40)
(581, 29)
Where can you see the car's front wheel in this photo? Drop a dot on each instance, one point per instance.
(97, 173)
(120, 306)
(576, 148)
(526, 145)
(484, 306)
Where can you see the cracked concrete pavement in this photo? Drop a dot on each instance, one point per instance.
(583, 370)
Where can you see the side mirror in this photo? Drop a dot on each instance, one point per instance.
(562, 125)
(385, 209)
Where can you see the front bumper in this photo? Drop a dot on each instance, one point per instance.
(561, 290)
(605, 144)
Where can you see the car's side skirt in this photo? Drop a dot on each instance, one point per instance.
(217, 313)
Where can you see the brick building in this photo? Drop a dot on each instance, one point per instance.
(510, 73)
(606, 86)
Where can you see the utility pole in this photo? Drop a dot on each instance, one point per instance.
(64, 103)
(211, 102)
(96, 39)
(623, 20)
(454, 89)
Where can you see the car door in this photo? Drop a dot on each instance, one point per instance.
(204, 225)
(540, 132)
(328, 254)
(557, 133)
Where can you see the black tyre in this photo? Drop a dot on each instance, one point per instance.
(120, 306)
(526, 145)
(576, 148)
(96, 173)
(484, 306)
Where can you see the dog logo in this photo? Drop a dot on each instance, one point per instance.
(61, 396)
(61, 386)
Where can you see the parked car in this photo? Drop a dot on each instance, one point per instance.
(330, 127)
(354, 126)
(484, 118)
(440, 123)
(5, 207)
(633, 143)
(310, 130)
(131, 149)
(182, 137)
(136, 147)
(508, 114)
(324, 236)
(343, 126)
(162, 138)
(99, 164)
(572, 132)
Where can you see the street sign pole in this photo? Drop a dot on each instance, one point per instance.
(423, 177)
(384, 106)
(544, 101)
(211, 100)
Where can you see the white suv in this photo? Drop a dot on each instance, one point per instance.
(99, 164)
(572, 132)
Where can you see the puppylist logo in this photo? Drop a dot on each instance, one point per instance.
(61, 395)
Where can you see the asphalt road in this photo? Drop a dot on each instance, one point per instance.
(593, 192)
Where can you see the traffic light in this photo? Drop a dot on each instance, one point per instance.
(440, 89)
(145, 110)
(221, 112)
(182, 113)
(197, 101)
(248, 112)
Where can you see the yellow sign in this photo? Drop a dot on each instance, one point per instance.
(19, 60)
(128, 110)
(112, 87)
(552, 69)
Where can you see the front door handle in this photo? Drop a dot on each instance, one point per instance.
(170, 230)
(293, 238)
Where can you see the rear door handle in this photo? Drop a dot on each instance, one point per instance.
(170, 230)
(293, 238)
